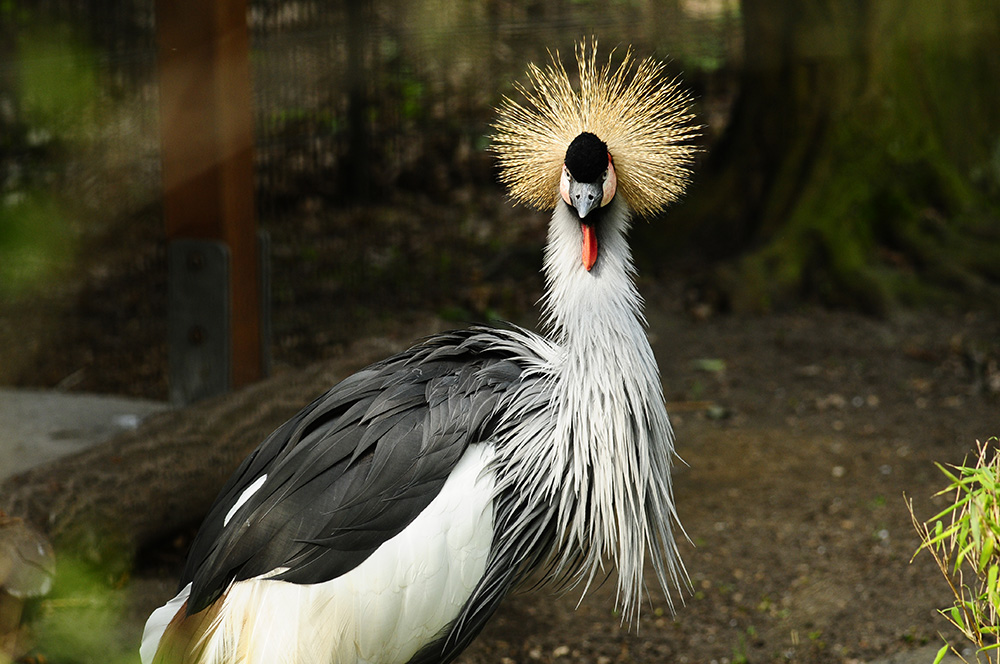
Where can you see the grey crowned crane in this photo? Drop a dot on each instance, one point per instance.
(388, 519)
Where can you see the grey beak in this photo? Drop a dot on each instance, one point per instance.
(585, 196)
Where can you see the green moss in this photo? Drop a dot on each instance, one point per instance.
(857, 173)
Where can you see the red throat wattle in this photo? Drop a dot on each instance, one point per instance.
(589, 246)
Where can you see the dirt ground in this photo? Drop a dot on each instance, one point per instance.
(792, 494)
(799, 432)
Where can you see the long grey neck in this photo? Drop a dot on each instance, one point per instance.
(594, 315)
(612, 441)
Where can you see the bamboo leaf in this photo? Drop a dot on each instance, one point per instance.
(984, 557)
(948, 510)
(960, 558)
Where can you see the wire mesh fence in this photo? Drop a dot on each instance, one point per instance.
(372, 176)
(352, 99)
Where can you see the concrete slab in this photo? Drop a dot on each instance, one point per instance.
(37, 426)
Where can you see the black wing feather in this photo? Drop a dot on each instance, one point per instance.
(529, 530)
(354, 467)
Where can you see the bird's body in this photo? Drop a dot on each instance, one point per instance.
(389, 518)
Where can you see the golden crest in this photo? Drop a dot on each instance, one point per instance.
(636, 109)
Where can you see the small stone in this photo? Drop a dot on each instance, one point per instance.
(561, 651)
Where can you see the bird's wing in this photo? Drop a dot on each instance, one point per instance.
(526, 521)
(353, 468)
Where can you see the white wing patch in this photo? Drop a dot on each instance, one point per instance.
(244, 497)
(400, 598)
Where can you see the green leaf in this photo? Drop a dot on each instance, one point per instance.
(943, 535)
(710, 364)
(960, 558)
(941, 653)
(984, 557)
(952, 508)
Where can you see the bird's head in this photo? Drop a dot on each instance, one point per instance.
(588, 178)
(626, 133)
(587, 184)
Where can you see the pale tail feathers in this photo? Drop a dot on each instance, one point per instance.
(157, 624)
(400, 598)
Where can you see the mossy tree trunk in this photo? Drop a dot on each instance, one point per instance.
(861, 165)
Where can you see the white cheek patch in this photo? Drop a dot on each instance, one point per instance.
(244, 497)
(564, 185)
(610, 183)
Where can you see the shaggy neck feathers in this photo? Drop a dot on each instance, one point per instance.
(608, 444)
(587, 431)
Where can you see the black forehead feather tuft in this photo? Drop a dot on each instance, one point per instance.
(587, 157)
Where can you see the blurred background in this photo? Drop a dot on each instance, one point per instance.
(851, 159)
(371, 124)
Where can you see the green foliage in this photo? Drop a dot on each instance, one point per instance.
(35, 242)
(9, 11)
(56, 95)
(58, 81)
(963, 539)
(81, 620)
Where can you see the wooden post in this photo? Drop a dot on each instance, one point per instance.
(207, 141)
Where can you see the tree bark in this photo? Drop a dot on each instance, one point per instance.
(860, 165)
(103, 504)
